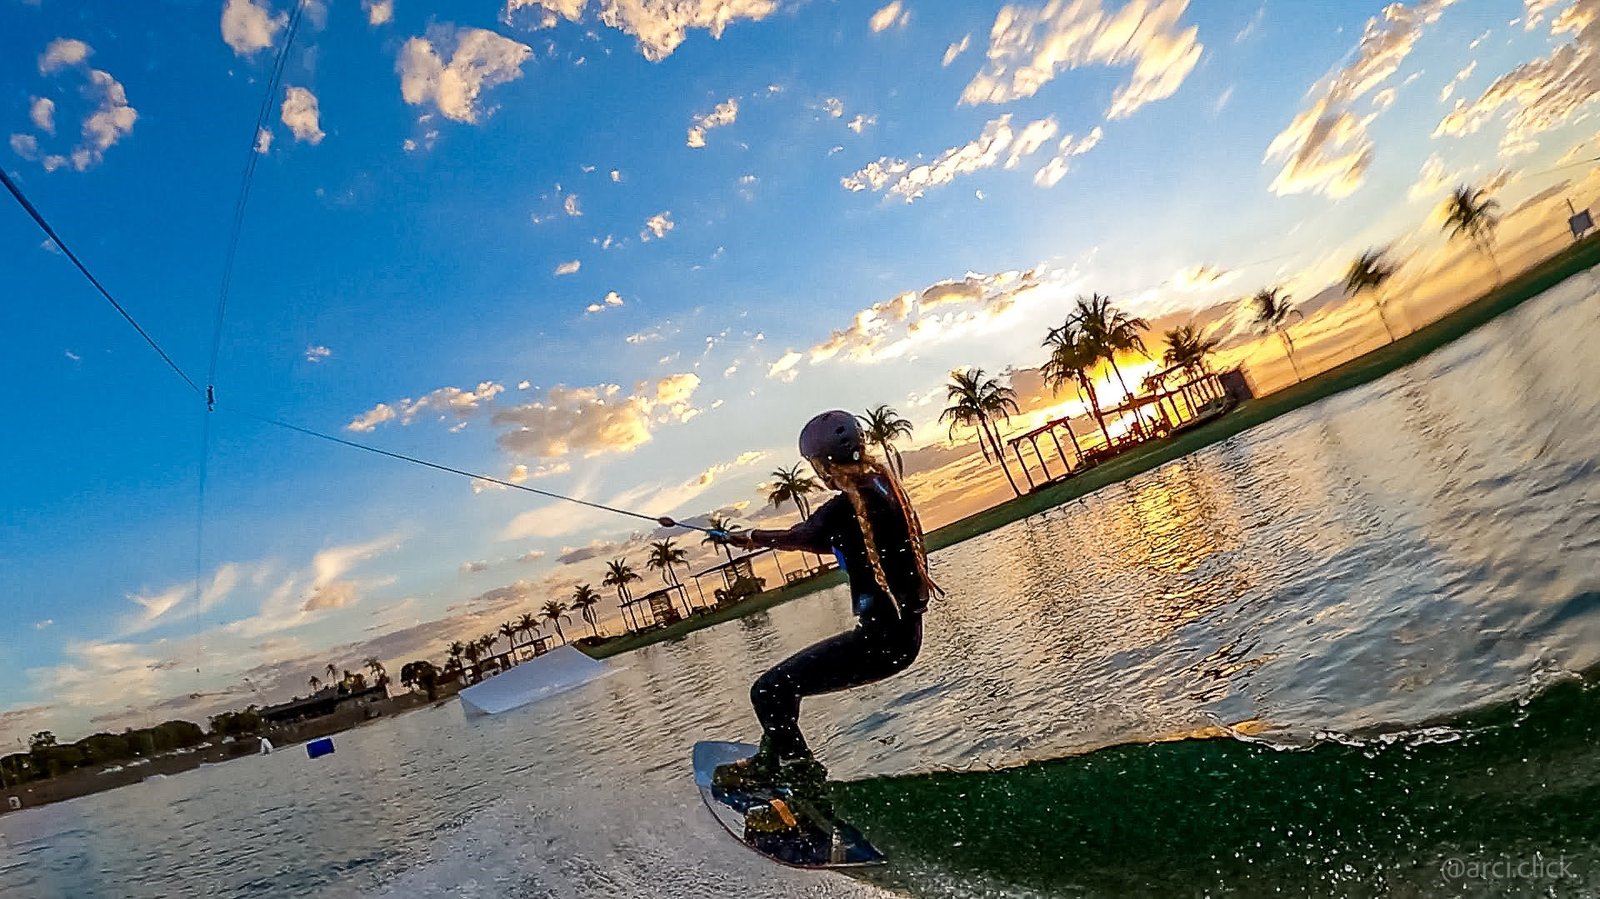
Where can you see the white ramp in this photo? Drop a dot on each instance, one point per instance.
(538, 678)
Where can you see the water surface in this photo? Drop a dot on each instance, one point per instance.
(1393, 595)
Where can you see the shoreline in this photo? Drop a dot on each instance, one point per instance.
(1364, 369)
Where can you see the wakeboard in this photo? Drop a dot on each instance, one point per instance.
(802, 838)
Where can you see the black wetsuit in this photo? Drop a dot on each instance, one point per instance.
(886, 639)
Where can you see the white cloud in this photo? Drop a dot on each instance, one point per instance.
(379, 12)
(1028, 46)
(658, 25)
(41, 625)
(26, 146)
(1434, 179)
(1033, 136)
(899, 177)
(1056, 169)
(833, 106)
(1544, 93)
(657, 226)
(111, 119)
(571, 206)
(784, 368)
(860, 123)
(475, 566)
(890, 16)
(1461, 76)
(316, 353)
(616, 177)
(446, 401)
(43, 113)
(1327, 148)
(597, 420)
(263, 140)
(61, 53)
(568, 268)
(725, 113)
(611, 300)
(956, 49)
(951, 310)
(301, 114)
(479, 60)
(249, 28)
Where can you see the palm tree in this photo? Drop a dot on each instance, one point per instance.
(529, 626)
(664, 556)
(975, 401)
(315, 682)
(380, 676)
(333, 671)
(1073, 359)
(1471, 212)
(1110, 331)
(555, 610)
(584, 599)
(510, 630)
(883, 426)
(473, 652)
(618, 575)
(456, 650)
(1188, 348)
(718, 523)
(1272, 314)
(453, 669)
(790, 486)
(1370, 271)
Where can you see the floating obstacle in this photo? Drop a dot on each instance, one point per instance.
(320, 747)
(538, 678)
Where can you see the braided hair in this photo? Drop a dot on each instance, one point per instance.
(847, 477)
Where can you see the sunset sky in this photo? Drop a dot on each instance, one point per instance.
(621, 250)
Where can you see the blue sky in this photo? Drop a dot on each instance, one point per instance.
(614, 249)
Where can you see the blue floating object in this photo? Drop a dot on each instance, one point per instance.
(318, 748)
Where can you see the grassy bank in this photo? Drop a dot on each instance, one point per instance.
(1361, 370)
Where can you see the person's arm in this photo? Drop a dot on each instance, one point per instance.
(809, 536)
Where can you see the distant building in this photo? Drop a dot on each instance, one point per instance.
(323, 702)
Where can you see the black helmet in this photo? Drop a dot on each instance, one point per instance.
(832, 437)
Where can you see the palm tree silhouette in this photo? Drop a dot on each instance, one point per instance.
(1471, 212)
(529, 626)
(456, 651)
(473, 652)
(618, 575)
(1073, 359)
(664, 557)
(379, 675)
(1272, 311)
(1110, 331)
(790, 486)
(333, 671)
(975, 401)
(719, 523)
(1369, 272)
(315, 682)
(883, 426)
(509, 630)
(584, 599)
(555, 610)
(1188, 349)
